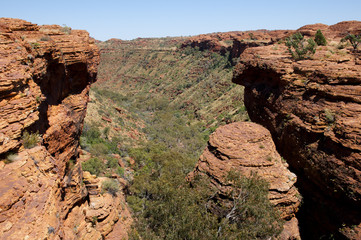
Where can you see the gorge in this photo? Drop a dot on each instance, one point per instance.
(155, 106)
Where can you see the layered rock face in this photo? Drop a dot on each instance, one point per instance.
(235, 43)
(248, 148)
(101, 216)
(45, 73)
(312, 109)
(45, 77)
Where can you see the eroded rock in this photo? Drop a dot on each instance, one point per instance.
(248, 148)
(45, 74)
(312, 109)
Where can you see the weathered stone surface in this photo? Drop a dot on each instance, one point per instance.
(312, 109)
(103, 216)
(248, 148)
(44, 76)
(45, 73)
(29, 202)
(235, 42)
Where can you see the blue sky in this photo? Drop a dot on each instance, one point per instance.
(139, 18)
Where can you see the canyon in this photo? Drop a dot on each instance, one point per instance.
(304, 138)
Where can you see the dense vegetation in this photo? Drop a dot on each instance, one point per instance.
(157, 105)
(167, 207)
(141, 77)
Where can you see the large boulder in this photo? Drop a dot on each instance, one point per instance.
(248, 148)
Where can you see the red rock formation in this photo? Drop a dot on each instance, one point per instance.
(29, 192)
(102, 216)
(45, 73)
(312, 109)
(235, 42)
(248, 147)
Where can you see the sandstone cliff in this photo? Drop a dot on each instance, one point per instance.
(312, 109)
(45, 77)
(45, 73)
(234, 43)
(248, 148)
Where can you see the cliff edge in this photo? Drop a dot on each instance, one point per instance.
(312, 109)
(45, 75)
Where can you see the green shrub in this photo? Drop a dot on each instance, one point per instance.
(120, 171)
(30, 140)
(94, 221)
(111, 186)
(353, 39)
(92, 134)
(320, 38)
(84, 143)
(329, 115)
(299, 47)
(35, 45)
(112, 162)
(99, 149)
(251, 36)
(94, 166)
(65, 29)
(92, 140)
(106, 132)
(45, 38)
(38, 99)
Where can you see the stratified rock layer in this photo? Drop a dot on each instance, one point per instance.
(313, 111)
(45, 74)
(235, 43)
(248, 148)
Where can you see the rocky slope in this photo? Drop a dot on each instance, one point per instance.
(248, 148)
(45, 74)
(140, 77)
(312, 109)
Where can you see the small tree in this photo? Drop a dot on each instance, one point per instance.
(299, 47)
(353, 39)
(320, 38)
(251, 216)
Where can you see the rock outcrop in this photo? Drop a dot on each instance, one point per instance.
(312, 108)
(248, 148)
(235, 43)
(102, 216)
(45, 75)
